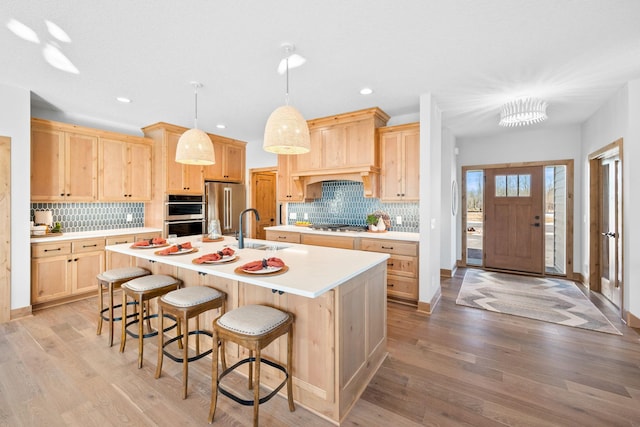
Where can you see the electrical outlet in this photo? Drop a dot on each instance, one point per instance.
(129, 217)
(306, 216)
(293, 215)
(398, 220)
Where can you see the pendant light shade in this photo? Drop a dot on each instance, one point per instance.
(195, 146)
(286, 131)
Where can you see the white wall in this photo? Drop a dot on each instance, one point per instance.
(430, 198)
(15, 122)
(618, 118)
(449, 221)
(528, 145)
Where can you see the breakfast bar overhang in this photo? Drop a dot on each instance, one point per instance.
(338, 298)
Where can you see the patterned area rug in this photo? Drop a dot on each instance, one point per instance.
(551, 300)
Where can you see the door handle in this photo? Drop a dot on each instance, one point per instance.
(535, 224)
(609, 234)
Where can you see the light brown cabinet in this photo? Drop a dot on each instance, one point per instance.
(343, 242)
(230, 160)
(181, 178)
(402, 266)
(400, 154)
(125, 170)
(118, 260)
(283, 236)
(288, 191)
(65, 269)
(63, 164)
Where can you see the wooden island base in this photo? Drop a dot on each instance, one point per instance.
(339, 337)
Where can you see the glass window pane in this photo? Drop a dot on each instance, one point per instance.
(512, 185)
(474, 193)
(524, 185)
(501, 185)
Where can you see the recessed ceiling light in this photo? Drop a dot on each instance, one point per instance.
(366, 91)
(123, 99)
(221, 126)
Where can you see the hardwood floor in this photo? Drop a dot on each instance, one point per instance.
(458, 367)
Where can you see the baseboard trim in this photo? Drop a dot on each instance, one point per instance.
(448, 273)
(428, 307)
(21, 312)
(633, 321)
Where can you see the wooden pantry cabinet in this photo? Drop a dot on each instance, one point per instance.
(125, 170)
(65, 269)
(230, 160)
(400, 155)
(63, 163)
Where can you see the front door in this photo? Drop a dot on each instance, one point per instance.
(514, 219)
(610, 229)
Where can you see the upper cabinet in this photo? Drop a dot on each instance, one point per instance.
(287, 189)
(181, 178)
(400, 151)
(71, 163)
(230, 160)
(125, 170)
(64, 163)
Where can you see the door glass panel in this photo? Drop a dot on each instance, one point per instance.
(501, 185)
(475, 215)
(555, 219)
(512, 185)
(524, 185)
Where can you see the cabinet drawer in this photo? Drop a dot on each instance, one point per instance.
(389, 246)
(341, 242)
(50, 249)
(402, 287)
(283, 236)
(88, 245)
(117, 240)
(401, 265)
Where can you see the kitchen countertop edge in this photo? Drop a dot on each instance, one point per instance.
(95, 233)
(389, 235)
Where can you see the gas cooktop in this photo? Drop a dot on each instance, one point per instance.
(338, 227)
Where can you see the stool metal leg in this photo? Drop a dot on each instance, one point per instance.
(110, 290)
(141, 331)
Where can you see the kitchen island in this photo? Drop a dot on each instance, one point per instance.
(338, 298)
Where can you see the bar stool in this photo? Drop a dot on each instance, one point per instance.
(184, 304)
(109, 280)
(253, 327)
(141, 290)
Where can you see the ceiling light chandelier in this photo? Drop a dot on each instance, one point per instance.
(195, 146)
(523, 111)
(286, 131)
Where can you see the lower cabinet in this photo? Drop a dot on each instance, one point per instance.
(283, 236)
(65, 269)
(117, 260)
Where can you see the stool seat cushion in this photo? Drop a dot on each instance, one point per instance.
(253, 319)
(116, 274)
(191, 296)
(150, 282)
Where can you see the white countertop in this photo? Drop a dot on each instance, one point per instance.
(390, 235)
(313, 270)
(96, 233)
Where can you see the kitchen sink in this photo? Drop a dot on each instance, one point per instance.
(263, 246)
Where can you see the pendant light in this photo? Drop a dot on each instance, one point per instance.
(286, 131)
(195, 146)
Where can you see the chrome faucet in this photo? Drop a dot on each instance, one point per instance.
(240, 233)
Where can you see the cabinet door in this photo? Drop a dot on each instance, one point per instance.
(335, 147)
(85, 267)
(234, 163)
(360, 150)
(113, 169)
(47, 165)
(287, 189)
(50, 278)
(411, 156)
(193, 180)
(215, 172)
(81, 167)
(313, 159)
(115, 259)
(138, 178)
(174, 169)
(391, 162)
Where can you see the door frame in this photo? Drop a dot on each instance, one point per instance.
(595, 195)
(569, 164)
(5, 229)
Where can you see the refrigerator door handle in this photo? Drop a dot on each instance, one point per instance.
(227, 208)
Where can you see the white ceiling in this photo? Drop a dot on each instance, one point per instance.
(472, 55)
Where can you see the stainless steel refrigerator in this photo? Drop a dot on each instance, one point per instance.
(224, 202)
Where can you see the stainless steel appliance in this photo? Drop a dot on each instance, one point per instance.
(184, 215)
(225, 201)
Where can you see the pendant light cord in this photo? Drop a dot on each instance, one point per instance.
(195, 120)
(286, 98)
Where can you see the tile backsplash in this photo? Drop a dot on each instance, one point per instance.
(343, 202)
(93, 216)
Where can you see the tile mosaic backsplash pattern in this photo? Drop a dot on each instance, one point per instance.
(343, 202)
(76, 217)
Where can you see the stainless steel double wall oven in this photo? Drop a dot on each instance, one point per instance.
(184, 215)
